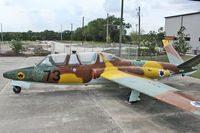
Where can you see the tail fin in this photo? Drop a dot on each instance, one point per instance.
(172, 54)
(190, 63)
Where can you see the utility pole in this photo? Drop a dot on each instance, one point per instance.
(107, 30)
(136, 33)
(139, 25)
(1, 37)
(136, 28)
(1, 33)
(71, 38)
(120, 36)
(61, 32)
(71, 31)
(82, 30)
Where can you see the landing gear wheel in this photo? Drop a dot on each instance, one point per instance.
(16, 89)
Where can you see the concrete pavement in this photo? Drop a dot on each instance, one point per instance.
(88, 109)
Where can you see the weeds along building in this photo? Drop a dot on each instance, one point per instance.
(191, 22)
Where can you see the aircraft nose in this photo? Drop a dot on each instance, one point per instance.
(5, 74)
(9, 74)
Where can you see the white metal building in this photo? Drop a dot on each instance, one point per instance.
(191, 21)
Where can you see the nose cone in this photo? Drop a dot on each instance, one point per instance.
(8, 75)
(5, 74)
(20, 74)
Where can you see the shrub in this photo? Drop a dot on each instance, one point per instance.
(16, 46)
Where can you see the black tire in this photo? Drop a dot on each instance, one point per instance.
(16, 89)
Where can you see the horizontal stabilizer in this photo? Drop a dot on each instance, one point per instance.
(190, 63)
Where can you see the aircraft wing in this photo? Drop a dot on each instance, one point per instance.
(154, 89)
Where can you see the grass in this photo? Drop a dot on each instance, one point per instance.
(5, 42)
(24, 42)
(29, 42)
(196, 74)
(162, 58)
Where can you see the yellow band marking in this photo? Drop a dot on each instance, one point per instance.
(112, 72)
(165, 42)
(70, 78)
(151, 69)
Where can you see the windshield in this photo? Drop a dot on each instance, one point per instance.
(45, 62)
(87, 58)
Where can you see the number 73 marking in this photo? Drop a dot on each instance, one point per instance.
(57, 76)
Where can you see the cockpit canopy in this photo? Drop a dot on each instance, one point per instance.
(87, 58)
(59, 58)
(55, 58)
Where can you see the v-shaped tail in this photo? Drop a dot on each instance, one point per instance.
(172, 54)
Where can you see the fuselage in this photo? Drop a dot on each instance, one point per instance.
(87, 67)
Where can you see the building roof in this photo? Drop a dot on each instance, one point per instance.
(183, 14)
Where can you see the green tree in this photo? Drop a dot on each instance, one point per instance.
(114, 28)
(96, 30)
(134, 37)
(78, 34)
(160, 36)
(29, 34)
(180, 44)
(16, 46)
(150, 41)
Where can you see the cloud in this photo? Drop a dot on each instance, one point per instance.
(152, 12)
(38, 15)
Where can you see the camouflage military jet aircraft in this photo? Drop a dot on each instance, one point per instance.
(92, 68)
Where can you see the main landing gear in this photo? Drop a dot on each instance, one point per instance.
(133, 96)
(16, 89)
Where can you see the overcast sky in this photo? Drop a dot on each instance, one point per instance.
(39, 15)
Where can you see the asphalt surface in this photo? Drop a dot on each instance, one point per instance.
(88, 109)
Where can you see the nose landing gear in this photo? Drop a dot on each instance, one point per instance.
(16, 89)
